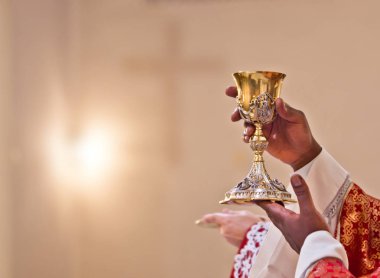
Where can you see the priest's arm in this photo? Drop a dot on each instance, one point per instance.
(291, 141)
(321, 255)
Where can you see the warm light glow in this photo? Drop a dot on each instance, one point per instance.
(87, 160)
(92, 154)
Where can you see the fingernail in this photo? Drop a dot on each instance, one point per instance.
(296, 180)
(246, 138)
(245, 131)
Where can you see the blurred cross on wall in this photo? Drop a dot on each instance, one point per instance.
(168, 65)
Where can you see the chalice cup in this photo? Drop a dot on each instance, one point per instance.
(257, 93)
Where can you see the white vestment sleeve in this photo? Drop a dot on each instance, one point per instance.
(328, 183)
(317, 246)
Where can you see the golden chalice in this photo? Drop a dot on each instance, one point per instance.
(257, 93)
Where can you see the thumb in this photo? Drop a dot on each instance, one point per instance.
(289, 113)
(303, 194)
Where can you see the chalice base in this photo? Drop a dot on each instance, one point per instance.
(257, 186)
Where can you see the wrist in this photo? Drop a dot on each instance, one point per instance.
(308, 156)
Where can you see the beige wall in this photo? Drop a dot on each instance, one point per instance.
(150, 75)
(5, 94)
(44, 216)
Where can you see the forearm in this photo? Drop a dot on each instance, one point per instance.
(307, 157)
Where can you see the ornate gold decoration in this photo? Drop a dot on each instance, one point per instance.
(257, 92)
(360, 231)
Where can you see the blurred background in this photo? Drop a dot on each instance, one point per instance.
(115, 130)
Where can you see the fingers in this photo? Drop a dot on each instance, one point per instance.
(275, 212)
(289, 113)
(303, 194)
(231, 91)
(235, 116)
(228, 211)
(217, 218)
(248, 132)
(235, 242)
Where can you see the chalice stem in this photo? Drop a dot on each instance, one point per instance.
(258, 143)
(258, 174)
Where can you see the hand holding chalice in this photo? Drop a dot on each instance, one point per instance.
(257, 92)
